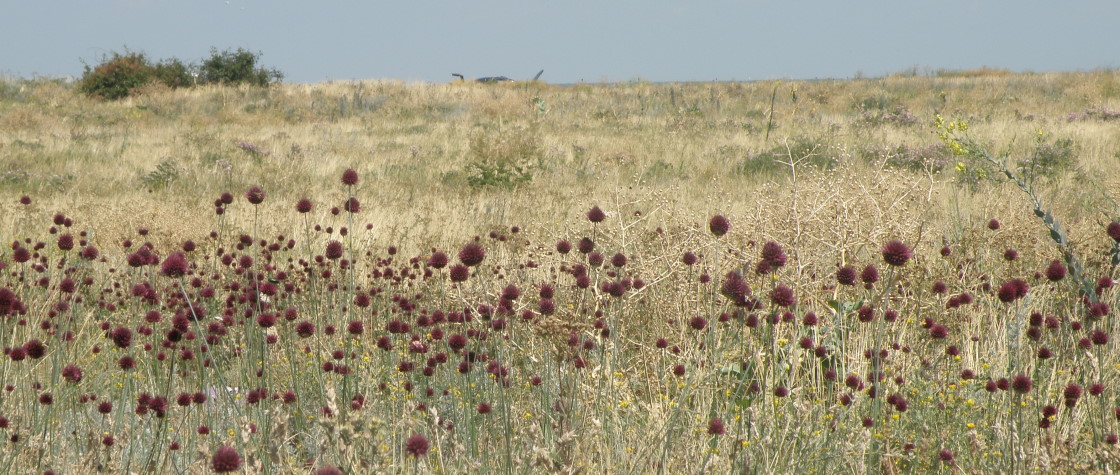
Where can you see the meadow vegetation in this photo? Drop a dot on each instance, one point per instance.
(905, 274)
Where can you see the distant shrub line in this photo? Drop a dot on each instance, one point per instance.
(121, 75)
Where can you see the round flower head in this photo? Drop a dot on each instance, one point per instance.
(225, 460)
(735, 288)
(1056, 271)
(563, 247)
(175, 265)
(1021, 383)
(596, 215)
(870, 274)
(896, 253)
(993, 224)
(715, 427)
(334, 250)
(1113, 230)
(718, 225)
(1010, 255)
(773, 254)
(1013, 290)
(304, 205)
(349, 177)
(352, 205)
(66, 242)
(945, 455)
(417, 446)
(458, 273)
(25, 200)
(255, 195)
(846, 275)
(438, 260)
(472, 255)
(782, 296)
(586, 245)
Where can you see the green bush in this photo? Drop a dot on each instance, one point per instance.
(236, 67)
(117, 75)
(120, 74)
(173, 73)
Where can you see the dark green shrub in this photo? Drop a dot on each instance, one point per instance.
(117, 75)
(173, 73)
(236, 67)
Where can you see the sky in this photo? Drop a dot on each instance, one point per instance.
(573, 40)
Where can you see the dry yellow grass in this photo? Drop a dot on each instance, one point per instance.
(660, 159)
(590, 143)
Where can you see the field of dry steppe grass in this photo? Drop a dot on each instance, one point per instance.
(704, 277)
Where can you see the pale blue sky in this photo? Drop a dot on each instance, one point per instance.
(614, 40)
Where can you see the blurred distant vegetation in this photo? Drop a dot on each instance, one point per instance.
(122, 74)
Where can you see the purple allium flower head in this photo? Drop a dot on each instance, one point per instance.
(438, 260)
(945, 455)
(773, 254)
(305, 329)
(472, 254)
(1055, 271)
(1021, 383)
(417, 446)
(458, 273)
(993, 224)
(718, 225)
(689, 258)
(782, 296)
(334, 250)
(715, 427)
(66, 242)
(1013, 290)
(735, 288)
(225, 460)
(1113, 230)
(349, 177)
(896, 253)
(352, 205)
(938, 331)
(1010, 255)
(256, 196)
(869, 275)
(175, 265)
(846, 275)
(596, 215)
(563, 247)
(121, 336)
(304, 205)
(72, 373)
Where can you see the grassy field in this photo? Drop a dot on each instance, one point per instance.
(904, 274)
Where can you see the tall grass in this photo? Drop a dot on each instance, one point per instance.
(657, 340)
